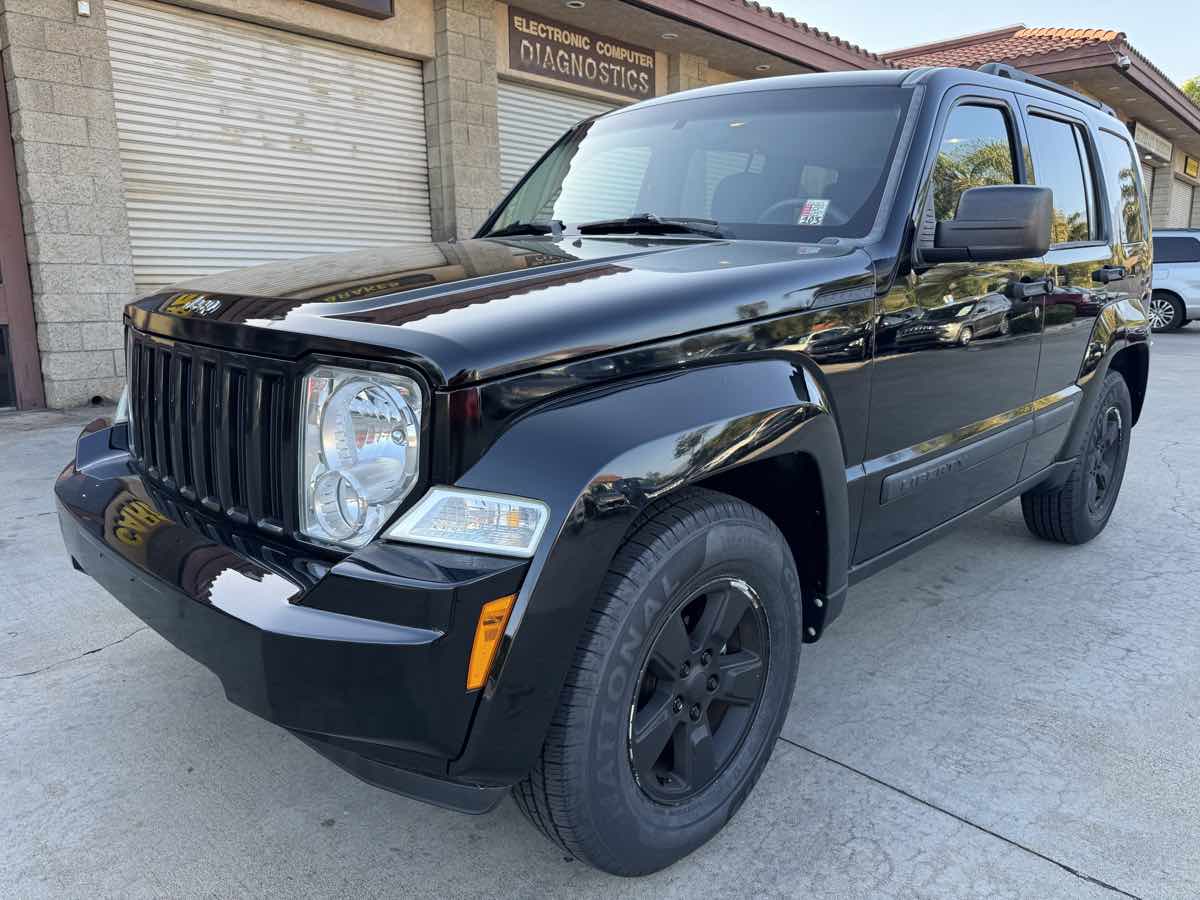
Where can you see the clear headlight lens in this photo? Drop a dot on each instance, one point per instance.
(359, 451)
(470, 520)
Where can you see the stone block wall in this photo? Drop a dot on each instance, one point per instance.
(685, 71)
(460, 117)
(72, 195)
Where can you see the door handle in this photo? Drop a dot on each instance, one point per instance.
(1106, 274)
(1024, 290)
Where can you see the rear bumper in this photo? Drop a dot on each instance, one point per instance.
(382, 696)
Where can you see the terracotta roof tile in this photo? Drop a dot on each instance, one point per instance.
(1022, 43)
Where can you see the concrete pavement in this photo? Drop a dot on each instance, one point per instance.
(995, 716)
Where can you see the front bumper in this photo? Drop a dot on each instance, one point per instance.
(364, 659)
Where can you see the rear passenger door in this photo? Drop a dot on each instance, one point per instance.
(1097, 252)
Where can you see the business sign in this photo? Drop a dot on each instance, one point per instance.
(1152, 141)
(1191, 167)
(541, 46)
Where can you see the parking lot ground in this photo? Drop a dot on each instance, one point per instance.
(994, 716)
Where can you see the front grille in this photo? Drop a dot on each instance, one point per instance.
(212, 426)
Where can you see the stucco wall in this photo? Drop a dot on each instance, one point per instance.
(408, 33)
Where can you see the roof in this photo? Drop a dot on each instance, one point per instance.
(867, 77)
(763, 10)
(1005, 44)
(1059, 53)
(760, 26)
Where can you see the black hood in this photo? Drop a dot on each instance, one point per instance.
(480, 309)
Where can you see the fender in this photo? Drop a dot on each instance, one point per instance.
(599, 459)
(1121, 330)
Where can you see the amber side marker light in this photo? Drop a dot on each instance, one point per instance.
(492, 619)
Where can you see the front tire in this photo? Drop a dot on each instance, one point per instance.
(1166, 312)
(1078, 510)
(678, 691)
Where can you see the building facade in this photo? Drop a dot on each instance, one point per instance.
(1102, 64)
(155, 140)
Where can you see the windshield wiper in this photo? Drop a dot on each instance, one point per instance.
(648, 223)
(518, 228)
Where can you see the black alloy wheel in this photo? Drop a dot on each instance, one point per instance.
(1075, 509)
(680, 685)
(1107, 436)
(698, 690)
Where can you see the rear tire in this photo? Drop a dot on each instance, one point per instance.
(1166, 312)
(693, 644)
(1078, 510)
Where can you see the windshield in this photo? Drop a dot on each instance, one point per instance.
(786, 165)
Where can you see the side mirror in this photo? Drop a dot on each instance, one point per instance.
(1008, 221)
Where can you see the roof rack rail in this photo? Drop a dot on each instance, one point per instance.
(1003, 70)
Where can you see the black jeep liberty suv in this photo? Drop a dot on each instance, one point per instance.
(553, 509)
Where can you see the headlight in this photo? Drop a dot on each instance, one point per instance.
(470, 520)
(359, 451)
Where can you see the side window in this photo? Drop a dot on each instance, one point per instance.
(1121, 184)
(1176, 250)
(1061, 163)
(976, 151)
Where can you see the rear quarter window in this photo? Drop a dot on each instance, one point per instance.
(1121, 184)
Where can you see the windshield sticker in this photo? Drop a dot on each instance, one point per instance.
(812, 212)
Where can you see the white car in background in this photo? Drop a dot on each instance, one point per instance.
(1176, 297)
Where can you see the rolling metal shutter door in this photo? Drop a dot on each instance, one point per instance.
(1181, 204)
(531, 119)
(1148, 179)
(242, 145)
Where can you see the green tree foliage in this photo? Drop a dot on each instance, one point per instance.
(1064, 228)
(1191, 87)
(966, 165)
(1131, 209)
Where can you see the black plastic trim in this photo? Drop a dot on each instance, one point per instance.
(878, 563)
(464, 798)
(925, 474)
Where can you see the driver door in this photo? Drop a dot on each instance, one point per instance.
(956, 350)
